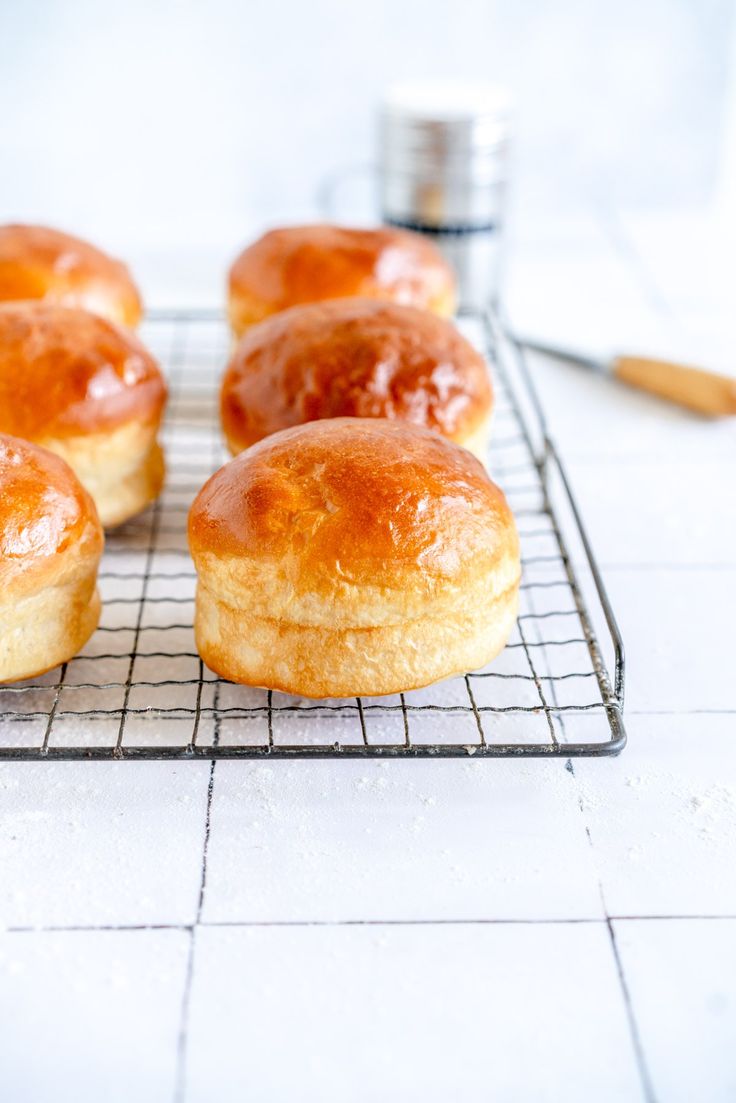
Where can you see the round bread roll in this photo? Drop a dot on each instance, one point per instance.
(306, 264)
(89, 391)
(50, 546)
(39, 263)
(356, 358)
(352, 557)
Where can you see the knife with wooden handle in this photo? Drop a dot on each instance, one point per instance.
(705, 392)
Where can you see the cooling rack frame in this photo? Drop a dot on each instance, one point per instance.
(257, 729)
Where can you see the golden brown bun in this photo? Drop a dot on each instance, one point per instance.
(39, 263)
(50, 545)
(89, 391)
(350, 557)
(354, 358)
(304, 264)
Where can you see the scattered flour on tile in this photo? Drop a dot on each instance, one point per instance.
(707, 813)
(372, 784)
(714, 812)
(587, 798)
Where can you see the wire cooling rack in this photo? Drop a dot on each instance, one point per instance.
(139, 690)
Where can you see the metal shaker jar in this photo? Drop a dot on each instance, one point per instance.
(443, 165)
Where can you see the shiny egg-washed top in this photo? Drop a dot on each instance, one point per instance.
(43, 510)
(300, 264)
(40, 263)
(353, 358)
(358, 499)
(65, 372)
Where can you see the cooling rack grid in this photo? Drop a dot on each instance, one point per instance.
(138, 690)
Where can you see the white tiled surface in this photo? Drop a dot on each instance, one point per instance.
(90, 1015)
(682, 977)
(418, 1014)
(296, 991)
(110, 843)
(692, 524)
(679, 630)
(386, 840)
(662, 817)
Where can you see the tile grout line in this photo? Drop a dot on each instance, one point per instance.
(181, 1046)
(245, 924)
(634, 1034)
(641, 1061)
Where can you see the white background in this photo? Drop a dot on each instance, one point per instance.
(167, 127)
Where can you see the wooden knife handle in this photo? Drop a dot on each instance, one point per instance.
(706, 392)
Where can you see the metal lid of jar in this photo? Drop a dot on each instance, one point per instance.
(439, 130)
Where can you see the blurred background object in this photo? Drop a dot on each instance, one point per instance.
(443, 171)
(702, 392)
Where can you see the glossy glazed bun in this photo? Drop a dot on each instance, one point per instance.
(356, 358)
(304, 264)
(89, 391)
(50, 546)
(352, 557)
(40, 263)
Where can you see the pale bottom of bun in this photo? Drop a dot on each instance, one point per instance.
(314, 661)
(476, 442)
(45, 629)
(123, 470)
(118, 499)
(444, 304)
(244, 311)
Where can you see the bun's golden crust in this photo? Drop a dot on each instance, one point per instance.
(40, 263)
(89, 391)
(50, 546)
(352, 557)
(43, 510)
(300, 264)
(65, 371)
(354, 358)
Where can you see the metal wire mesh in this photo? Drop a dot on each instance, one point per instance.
(139, 689)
